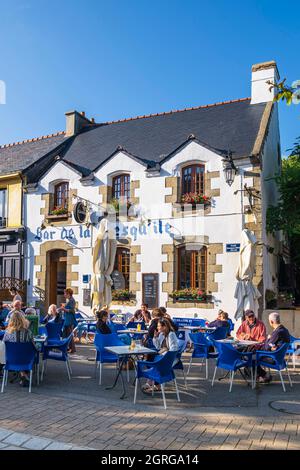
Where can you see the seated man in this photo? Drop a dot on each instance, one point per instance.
(275, 340)
(142, 314)
(252, 328)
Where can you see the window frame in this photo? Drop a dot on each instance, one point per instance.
(193, 183)
(124, 191)
(196, 275)
(5, 209)
(64, 197)
(122, 261)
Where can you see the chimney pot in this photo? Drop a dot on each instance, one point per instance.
(261, 74)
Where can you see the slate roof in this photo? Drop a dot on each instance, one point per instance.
(231, 125)
(18, 156)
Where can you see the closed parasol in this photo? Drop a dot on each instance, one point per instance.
(103, 264)
(246, 293)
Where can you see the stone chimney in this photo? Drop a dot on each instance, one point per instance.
(261, 73)
(75, 122)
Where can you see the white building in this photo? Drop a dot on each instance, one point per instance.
(153, 161)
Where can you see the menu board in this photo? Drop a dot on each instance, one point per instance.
(150, 289)
(86, 297)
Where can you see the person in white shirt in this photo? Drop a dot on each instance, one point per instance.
(164, 340)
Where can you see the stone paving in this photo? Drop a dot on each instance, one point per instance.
(80, 413)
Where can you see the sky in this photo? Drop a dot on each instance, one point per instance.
(121, 58)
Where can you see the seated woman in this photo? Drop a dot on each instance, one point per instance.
(103, 327)
(220, 321)
(18, 331)
(53, 315)
(164, 340)
(166, 315)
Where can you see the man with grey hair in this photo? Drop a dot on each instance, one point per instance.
(275, 340)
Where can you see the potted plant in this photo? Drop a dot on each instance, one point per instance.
(122, 294)
(271, 300)
(189, 294)
(285, 300)
(117, 203)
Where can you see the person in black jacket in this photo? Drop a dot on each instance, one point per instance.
(101, 325)
(279, 336)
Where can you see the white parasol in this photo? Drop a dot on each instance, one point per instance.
(103, 264)
(246, 293)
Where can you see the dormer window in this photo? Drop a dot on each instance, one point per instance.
(121, 186)
(192, 180)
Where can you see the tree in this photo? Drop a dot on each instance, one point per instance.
(286, 215)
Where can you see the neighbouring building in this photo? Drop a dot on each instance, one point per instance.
(169, 253)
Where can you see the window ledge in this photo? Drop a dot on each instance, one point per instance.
(191, 208)
(123, 302)
(58, 217)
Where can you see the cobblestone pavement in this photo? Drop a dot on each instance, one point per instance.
(81, 413)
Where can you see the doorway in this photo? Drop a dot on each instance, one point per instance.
(56, 276)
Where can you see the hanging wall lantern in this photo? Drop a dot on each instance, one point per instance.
(229, 169)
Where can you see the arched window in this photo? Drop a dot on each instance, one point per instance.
(192, 268)
(121, 186)
(122, 264)
(192, 179)
(61, 195)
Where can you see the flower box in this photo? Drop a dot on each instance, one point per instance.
(189, 295)
(59, 212)
(122, 295)
(194, 199)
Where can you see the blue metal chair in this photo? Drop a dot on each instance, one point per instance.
(53, 330)
(219, 333)
(59, 352)
(232, 360)
(278, 362)
(160, 371)
(42, 330)
(294, 342)
(102, 355)
(19, 357)
(231, 325)
(201, 350)
(179, 364)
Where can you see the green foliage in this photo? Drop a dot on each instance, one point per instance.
(283, 92)
(286, 215)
